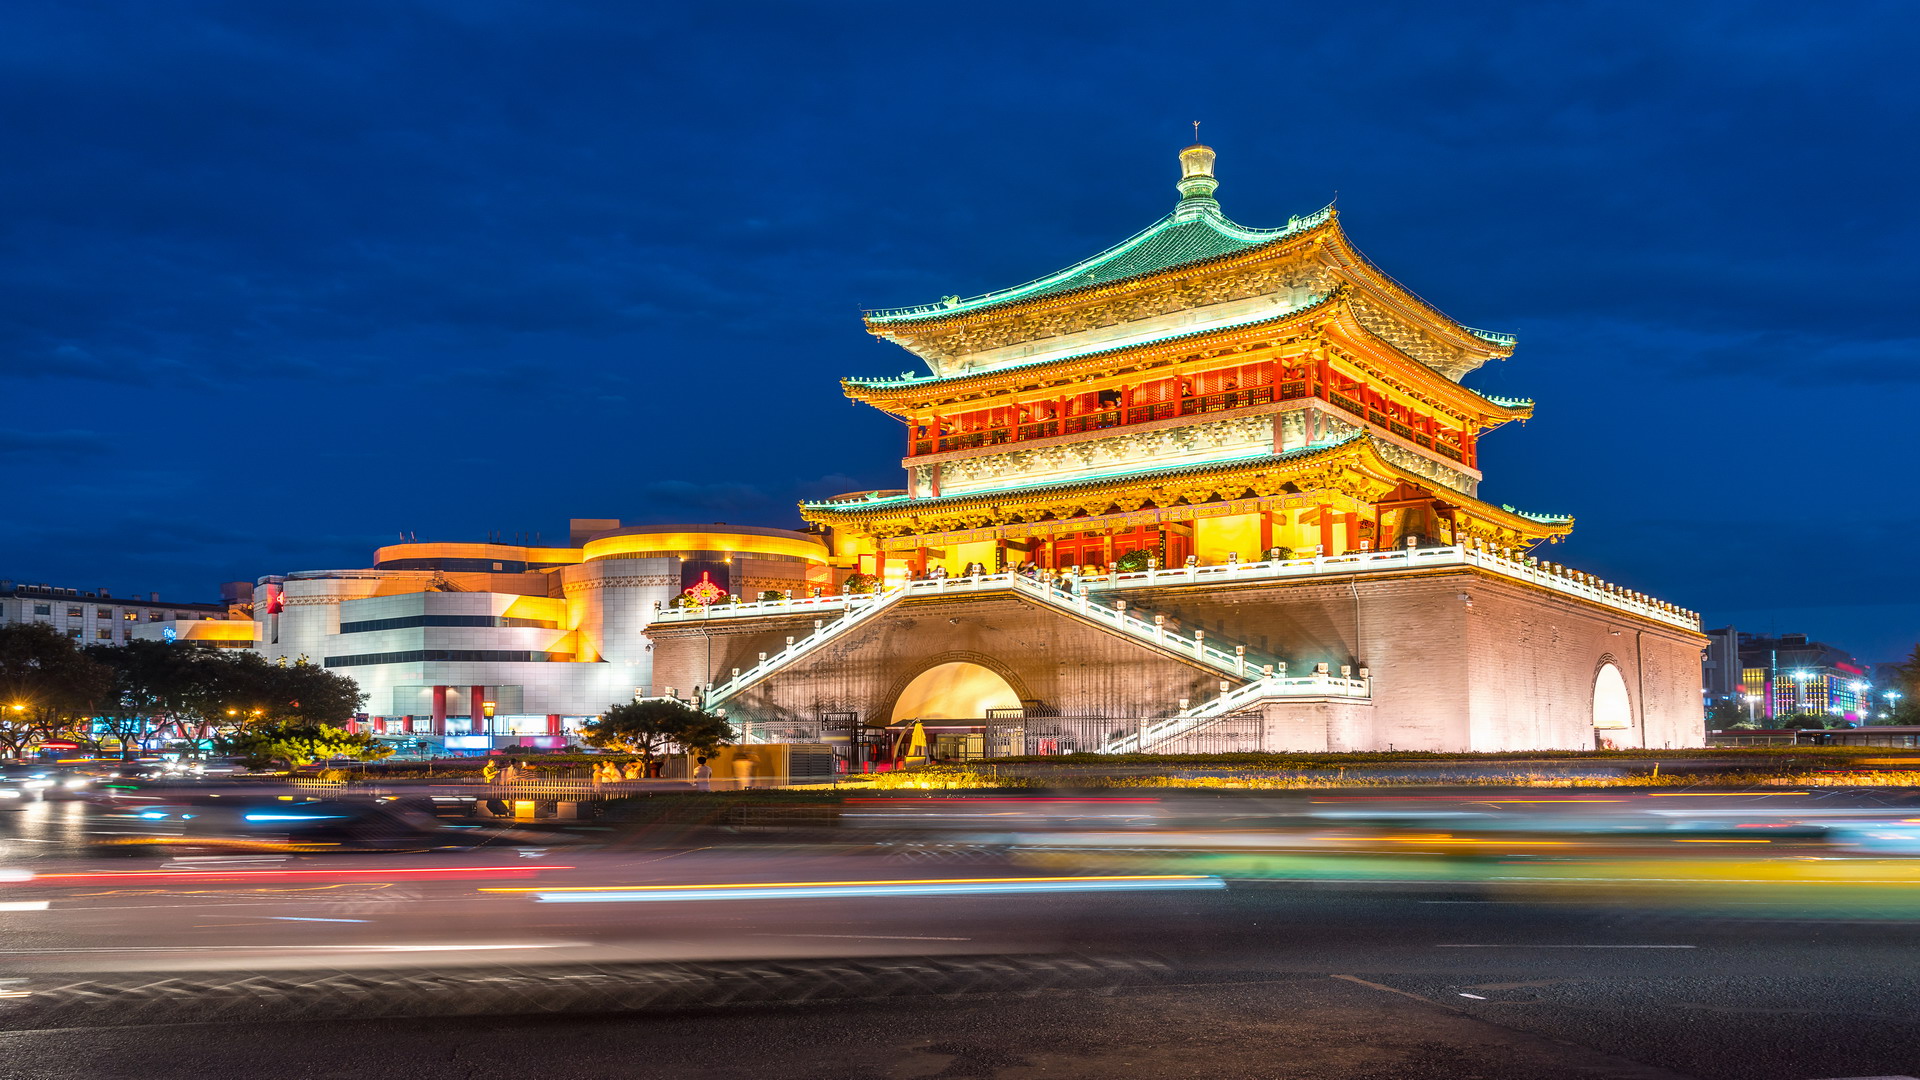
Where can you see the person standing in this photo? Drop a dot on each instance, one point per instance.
(702, 776)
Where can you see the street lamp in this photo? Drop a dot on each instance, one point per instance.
(1752, 699)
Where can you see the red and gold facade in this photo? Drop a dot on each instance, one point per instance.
(1200, 390)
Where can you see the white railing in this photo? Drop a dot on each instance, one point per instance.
(785, 605)
(1519, 567)
(1081, 599)
(1152, 629)
(858, 608)
(1188, 721)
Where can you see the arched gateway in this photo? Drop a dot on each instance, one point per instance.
(954, 691)
(1612, 707)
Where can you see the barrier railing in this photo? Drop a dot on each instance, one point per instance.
(1188, 721)
(1520, 567)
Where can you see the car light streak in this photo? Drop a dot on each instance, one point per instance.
(803, 890)
(522, 870)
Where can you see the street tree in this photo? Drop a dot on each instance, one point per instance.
(301, 744)
(649, 727)
(48, 687)
(243, 690)
(156, 688)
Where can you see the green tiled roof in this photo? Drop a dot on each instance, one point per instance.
(1544, 519)
(908, 378)
(1194, 232)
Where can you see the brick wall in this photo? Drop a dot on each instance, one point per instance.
(1460, 660)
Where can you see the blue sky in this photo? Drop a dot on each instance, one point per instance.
(282, 281)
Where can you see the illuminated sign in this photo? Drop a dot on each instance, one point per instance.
(705, 591)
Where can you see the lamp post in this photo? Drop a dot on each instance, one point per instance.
(1752, 699)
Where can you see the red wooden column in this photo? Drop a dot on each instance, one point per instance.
(439, 710)
(553, 724)
(477, 716)
(1326, 530)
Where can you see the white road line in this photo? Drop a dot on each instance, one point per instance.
(870, 937)
(1566, 946)
(24, 905)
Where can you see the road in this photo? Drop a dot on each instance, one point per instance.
(1346, 980)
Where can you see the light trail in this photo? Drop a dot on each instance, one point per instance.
(520, 870)
(806, 890)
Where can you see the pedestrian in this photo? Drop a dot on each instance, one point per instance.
(653, 768)
(702, 776)
(491, 774)
(509, 774)
(632, 771)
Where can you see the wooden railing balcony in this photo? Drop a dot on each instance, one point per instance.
(1101, 419)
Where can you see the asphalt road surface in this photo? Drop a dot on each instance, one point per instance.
(1258, 978)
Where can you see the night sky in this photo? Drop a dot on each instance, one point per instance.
(282, 281)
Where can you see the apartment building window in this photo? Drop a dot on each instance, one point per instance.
(43, 609)
(74, 613)
(73, 632)
(131, 616)
(153, 616)
(103, 613)
(105, 633)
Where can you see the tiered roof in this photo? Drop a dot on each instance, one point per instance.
(1172, 242)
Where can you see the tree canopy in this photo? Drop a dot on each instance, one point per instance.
(651, 726)
(301, 744)
(47, 685)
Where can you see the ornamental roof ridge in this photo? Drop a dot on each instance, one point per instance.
(1510, 402)
(1544, 519)
(1189, 235)
(909, 379)
(1492, 337)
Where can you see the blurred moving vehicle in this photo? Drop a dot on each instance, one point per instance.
(30, 782)
(172, 821)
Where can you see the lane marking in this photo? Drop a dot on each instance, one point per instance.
(869, 937)
(1188, 878)
(299, 918)
(846, 889)
(272, 948)
(1566, 946)
(24, 905)
(1394, 990)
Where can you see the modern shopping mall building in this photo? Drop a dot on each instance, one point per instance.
(495, 644)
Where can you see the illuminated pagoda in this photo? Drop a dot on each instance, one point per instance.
(1199, 390)
(1213, 489)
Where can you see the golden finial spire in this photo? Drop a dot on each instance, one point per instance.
(1196, 178)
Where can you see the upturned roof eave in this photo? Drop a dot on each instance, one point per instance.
(1045, 288)
(1544, 525)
